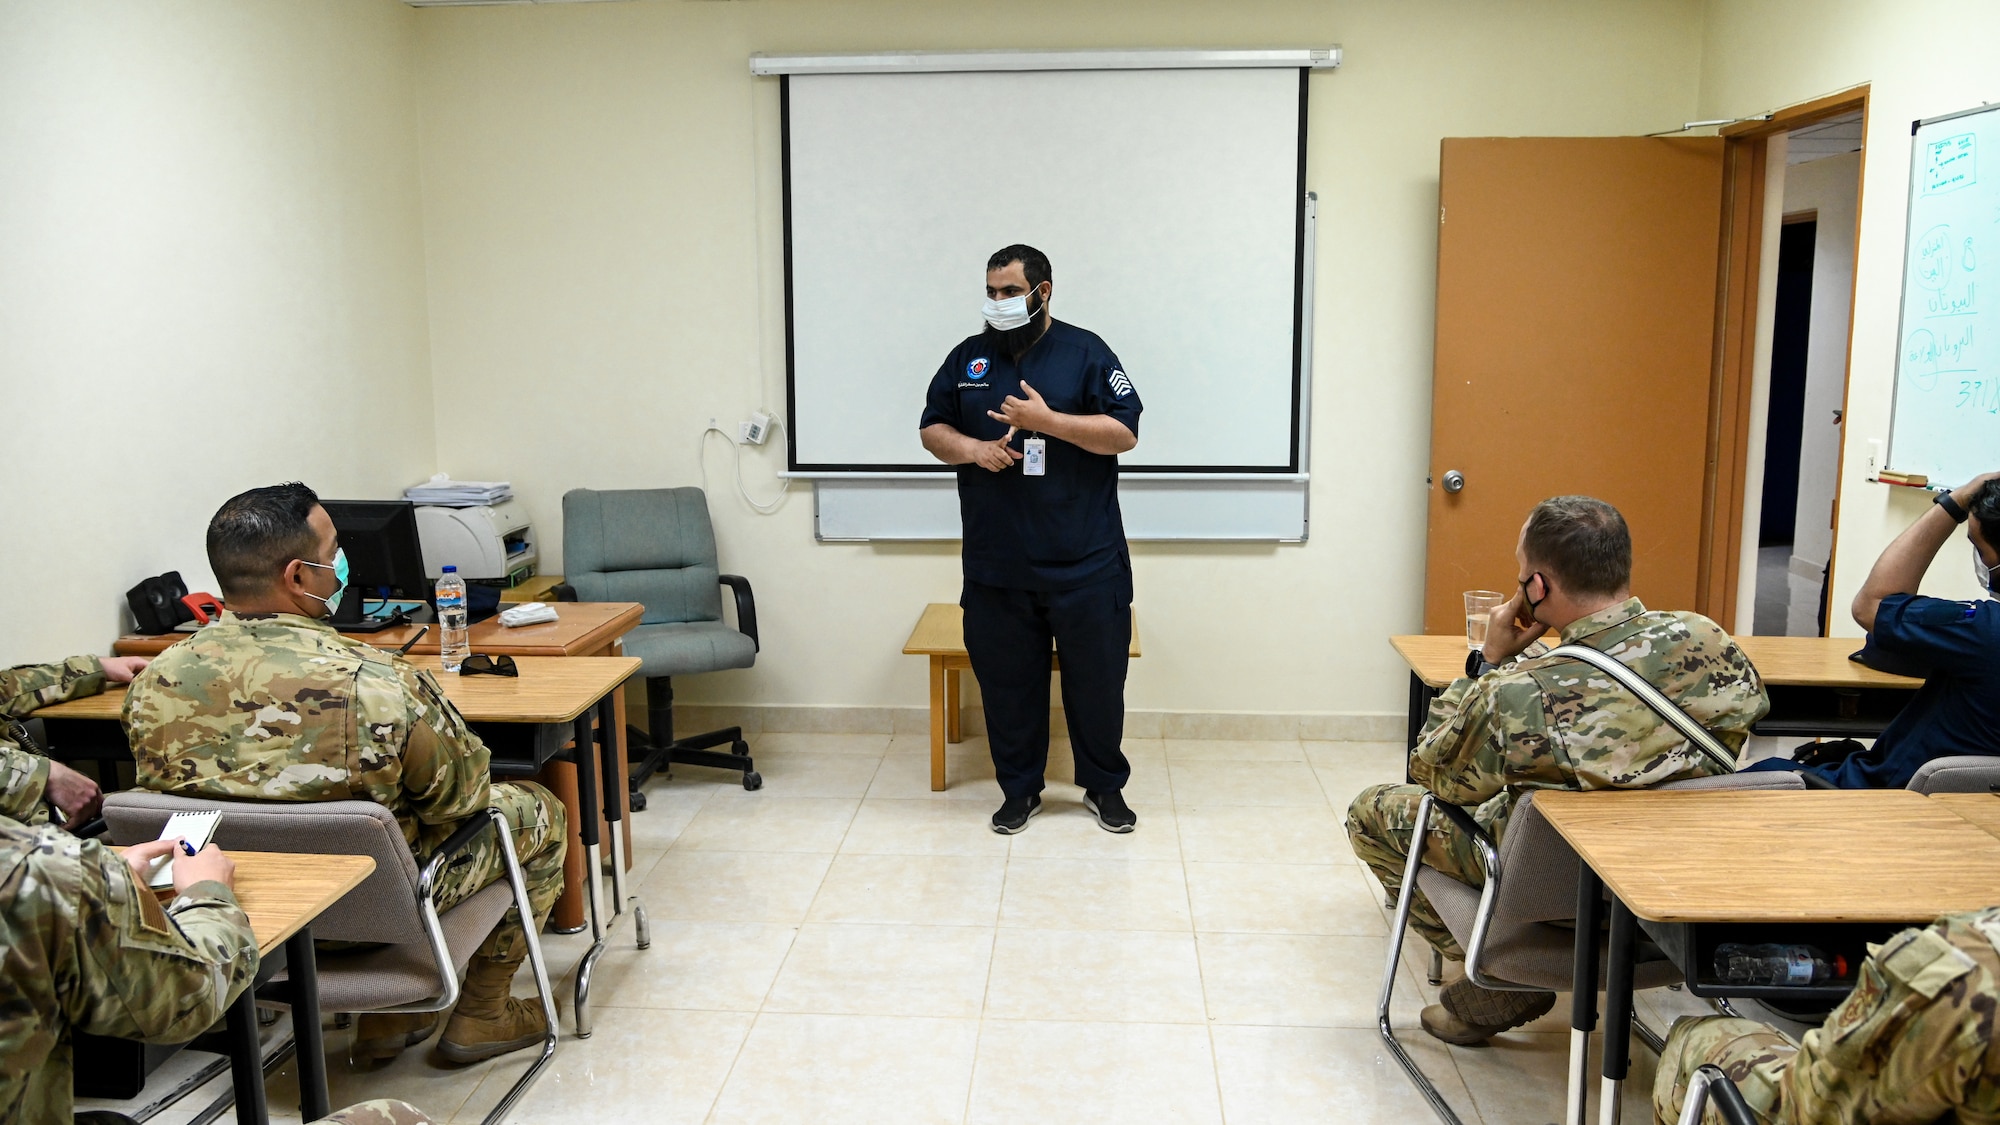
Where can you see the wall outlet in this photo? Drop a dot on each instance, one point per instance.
(756, 430)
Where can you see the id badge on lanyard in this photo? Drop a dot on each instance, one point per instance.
(1035, 457)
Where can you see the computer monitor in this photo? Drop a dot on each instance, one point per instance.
(385, 559)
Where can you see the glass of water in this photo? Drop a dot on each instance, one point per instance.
(1479, 607)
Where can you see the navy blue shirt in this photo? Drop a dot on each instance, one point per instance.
(1957, 711)
(1060, 530)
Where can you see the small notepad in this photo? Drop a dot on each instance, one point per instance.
(194, 827)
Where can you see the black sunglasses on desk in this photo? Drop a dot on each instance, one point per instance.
(480, 664)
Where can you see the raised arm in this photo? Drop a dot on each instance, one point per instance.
(1095, 433)
(1901, 568)
(1457, 756)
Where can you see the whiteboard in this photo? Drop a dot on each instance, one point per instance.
(1154, 508)
(1170, 203)
(1946, 420)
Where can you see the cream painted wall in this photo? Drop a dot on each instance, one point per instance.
(1758, 54)
(210, 278)
(602, 237)
(1828, 186)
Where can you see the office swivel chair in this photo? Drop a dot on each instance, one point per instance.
(656, 546)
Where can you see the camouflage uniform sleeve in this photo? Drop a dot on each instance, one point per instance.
(28, 686)
(1460, 753)
(1906, 1044)
(143, 972)
(23, 779)
(444, 764)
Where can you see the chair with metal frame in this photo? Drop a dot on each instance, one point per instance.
(1710, 1082)
(1518, 930)
(417, 953)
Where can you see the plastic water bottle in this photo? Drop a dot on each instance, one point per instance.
(1788, 966)
(454, 634)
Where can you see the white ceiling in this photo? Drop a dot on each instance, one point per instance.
(1832, 137)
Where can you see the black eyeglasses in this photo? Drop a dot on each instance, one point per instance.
(480, 664)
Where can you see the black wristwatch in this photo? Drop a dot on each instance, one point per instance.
(1950, 507)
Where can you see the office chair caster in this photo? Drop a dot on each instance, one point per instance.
(753, 780)
(636, 801)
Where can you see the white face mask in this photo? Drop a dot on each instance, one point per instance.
(1008, 314)
(1984, 574)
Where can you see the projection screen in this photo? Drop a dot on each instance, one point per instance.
(1170, 204)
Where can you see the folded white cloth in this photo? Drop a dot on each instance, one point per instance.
(527, 613)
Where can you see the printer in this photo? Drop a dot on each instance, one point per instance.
(492, 542)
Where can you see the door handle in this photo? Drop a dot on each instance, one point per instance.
(1454, 481)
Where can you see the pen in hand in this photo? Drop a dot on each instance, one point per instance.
(186, 847)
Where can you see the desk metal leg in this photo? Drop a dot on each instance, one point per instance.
(303, 973)
(1420, 706)
(587, 794)
(1583, 990)
(1617, 1010)
(246, 1060)
(608, 733)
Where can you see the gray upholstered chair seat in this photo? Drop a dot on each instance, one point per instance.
(685, 648)
(1959, 773)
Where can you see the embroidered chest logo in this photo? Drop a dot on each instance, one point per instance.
(977, 368)
(1120, 385)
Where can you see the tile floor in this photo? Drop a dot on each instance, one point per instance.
(846, 945)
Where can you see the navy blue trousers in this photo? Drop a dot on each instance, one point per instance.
(1008, 634)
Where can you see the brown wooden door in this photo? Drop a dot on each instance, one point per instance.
(1576, 308)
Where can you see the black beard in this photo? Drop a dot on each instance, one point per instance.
(1016, 341)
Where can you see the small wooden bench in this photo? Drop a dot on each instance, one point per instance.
(940, 635)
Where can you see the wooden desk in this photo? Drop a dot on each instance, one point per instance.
(940, 635)
(1980, 809)
(1914, 859)
(282, 893)
(550, 690)
(1814, 688)
(585, 629)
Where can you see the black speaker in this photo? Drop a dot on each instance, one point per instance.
(156, 603)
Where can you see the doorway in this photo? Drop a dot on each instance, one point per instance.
(1817, 185)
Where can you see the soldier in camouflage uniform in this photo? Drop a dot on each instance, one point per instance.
(1913, 1042)
(1528, 722)
(272, 704)
(29, 782)
(87, 945)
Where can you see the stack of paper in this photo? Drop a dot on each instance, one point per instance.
(446, 492)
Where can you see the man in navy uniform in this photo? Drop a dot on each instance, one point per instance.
(1954, 645)
(1034, 413)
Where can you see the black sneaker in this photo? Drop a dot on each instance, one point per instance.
(1112, 812)
(1013, 815)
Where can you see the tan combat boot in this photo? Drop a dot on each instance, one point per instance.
(1467, 1015)
(488, 1020)
(380, 1037)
